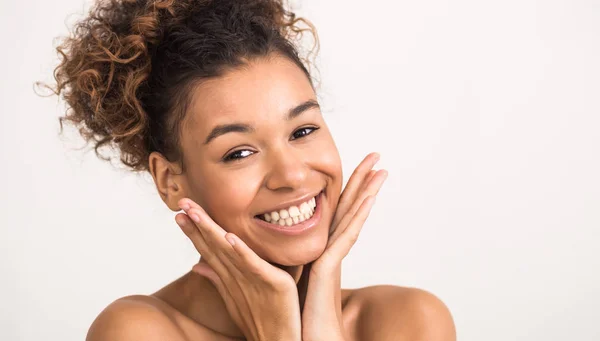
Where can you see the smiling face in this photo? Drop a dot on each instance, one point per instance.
(254, 142)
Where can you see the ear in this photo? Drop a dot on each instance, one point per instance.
(169, 180)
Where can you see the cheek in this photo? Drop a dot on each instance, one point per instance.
(329, 161)
(227, 197)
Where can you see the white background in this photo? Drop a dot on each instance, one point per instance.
(487, 116)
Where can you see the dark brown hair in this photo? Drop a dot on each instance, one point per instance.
(128, 67)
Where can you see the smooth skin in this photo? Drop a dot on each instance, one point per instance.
(253, 283)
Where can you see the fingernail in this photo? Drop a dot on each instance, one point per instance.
(195, 217)
(180, 222)
(230, 240)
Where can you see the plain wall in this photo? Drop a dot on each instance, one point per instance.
(487, 117)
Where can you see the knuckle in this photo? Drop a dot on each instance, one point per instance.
(353, 237)
(281, 286)
(209, 257)
(255, 271)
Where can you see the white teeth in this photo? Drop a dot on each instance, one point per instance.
(293, 215)
(294, 211)
(304, 208)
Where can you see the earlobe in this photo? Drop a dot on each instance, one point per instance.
(168, 179)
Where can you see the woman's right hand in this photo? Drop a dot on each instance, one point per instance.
(261, 299)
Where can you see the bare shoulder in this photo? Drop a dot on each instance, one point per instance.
(387, 312)
(134, 318)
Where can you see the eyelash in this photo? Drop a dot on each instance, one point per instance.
(229, 157)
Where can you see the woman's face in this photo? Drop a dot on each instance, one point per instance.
(254, 142)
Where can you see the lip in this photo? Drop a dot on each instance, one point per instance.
(299, 228)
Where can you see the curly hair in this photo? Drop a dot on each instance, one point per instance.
(127, 69)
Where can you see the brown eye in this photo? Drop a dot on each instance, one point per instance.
(303, 132)
(237, 155)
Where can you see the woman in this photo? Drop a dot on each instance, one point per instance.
(213, 99)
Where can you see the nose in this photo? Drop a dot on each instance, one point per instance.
(287, 170)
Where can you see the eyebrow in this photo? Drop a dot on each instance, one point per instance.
(246, 128)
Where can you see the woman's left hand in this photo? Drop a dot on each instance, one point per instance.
(320, 284)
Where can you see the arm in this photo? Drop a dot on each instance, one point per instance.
(397, 313)
(130, 319)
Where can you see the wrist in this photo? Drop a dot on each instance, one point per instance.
(281, 335)
(326, 338)
(332, 334)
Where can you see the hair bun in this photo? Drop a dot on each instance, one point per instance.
(115, 94)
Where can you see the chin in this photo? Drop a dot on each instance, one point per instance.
(299, 254)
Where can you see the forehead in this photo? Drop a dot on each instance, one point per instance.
(264, 89)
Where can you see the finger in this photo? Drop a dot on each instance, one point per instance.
(187, 203)
(341, 212)
(234, 253)
(213, 233)
(348, 196)
(210, 252)
(205, 270)
(230, 249)
(245, 255)
(370, 189)
(193, 233)
(340, 248)
(223, 287)
(358, 176)
(249, 262)
(369, 177)
(189, 228)
(356, 179)
(215, 237)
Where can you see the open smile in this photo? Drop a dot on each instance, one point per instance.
(294, 219)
